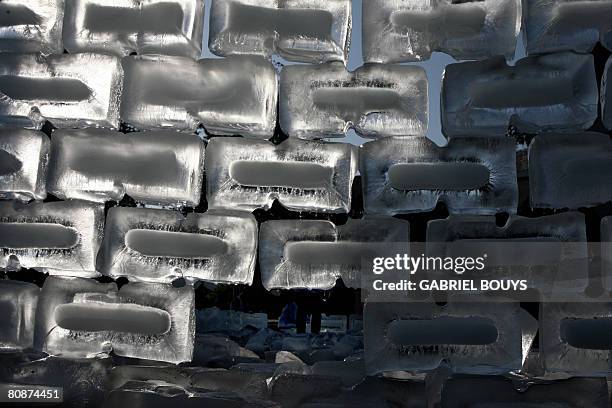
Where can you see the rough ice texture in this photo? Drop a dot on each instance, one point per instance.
(410, 30)
(318, 101)
(23, 164)
(60, 237)
(120, 27)
(470, 175)
(606, 95)
(69, 90)
(83, 318)
(179, 93)
(567, 25)
(298, 30)
(570, 170)
(31, 26)
(247, 174)
(18, 304)
(556, 92)
(157, 168)
(298, 254)
(161, 246)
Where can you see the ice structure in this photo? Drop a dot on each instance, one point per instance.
(161, 246)
(31, 26)
(247, 174)
(179, 93)
(606, 95)
(411, 30)
(570, 170)
(60, 237)
(215, 320)
(120, 27)
(18, 304)
(157, 168)
(69, 90)
(298, 30)
(23, 164)
(314, 254)
(556, 92)
(83, 318)
(321, 101)
(470, 176)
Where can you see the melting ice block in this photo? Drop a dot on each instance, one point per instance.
(121, 27)
(470, 175)
(31, 26)
(160, 246)
(179, 93)
(298, 30)
(606, 95)
(23, 164)
(60, 237)
(309, 254)
(69, 90)
(410, 30)
(318, 101)
(83, 318)
(570, 170)
(556, 92)
(18, 304)
(247, 174)
(157, 168)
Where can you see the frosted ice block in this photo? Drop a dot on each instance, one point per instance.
(31, 26)
(160, 246)
(556, 92)
(318, 101)
(156, 168)
(23, 164)
(63, 236)
(410, 30)
(570, 170)
(18, 304)
(298, 30)
(235, 95)
(120, 27)
(247, 174)
(69, 90)
(470, 176)
(606, 95)
(83, 318)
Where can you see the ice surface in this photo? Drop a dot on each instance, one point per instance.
(69, 90)
(158, 168)
(179, 93)
(216, 350)
(83, 318)
(247, 174)
(315, 254)
(318, 101)
(410, 30)
(160, 246)
(56, 237)
(292, 390)
(298, 30)
(31, 26)
(606, 251)
(606, 95)
(470, 175)
(228, 321)
(18, 304)
(171, 27)
(570, 171)
(23, 164)
(556, 92)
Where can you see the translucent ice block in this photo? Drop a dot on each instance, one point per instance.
(570, 170)
(157, 168)
(235, 95)
(23, 164)
(309, 254)
(172, 27)
(160, 246)
(31, 26)
(556, 92)
(69, 90)
(83, 318)
(319, 101)
(409, 30)
(215, 320)
(62, 236)
(606, 95)
(298, 30)
(248, 174)
(470, 175)
(18, 304)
